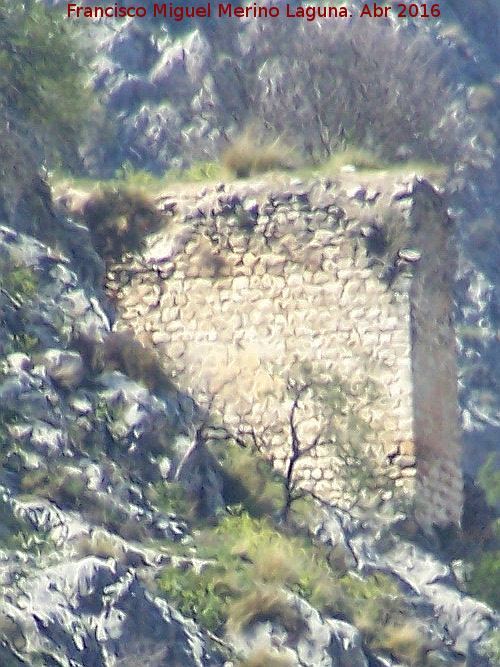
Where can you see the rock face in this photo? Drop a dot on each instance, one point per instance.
(94, 612)
(253, 285)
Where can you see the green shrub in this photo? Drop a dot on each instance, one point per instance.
(118, 219)
(489, 479)
(23, 342)
(284, 560)
(63, 485)
(172, 498)
(251, 566)
(198, 595)
(42, 75)
(18, 280)
(485, 579)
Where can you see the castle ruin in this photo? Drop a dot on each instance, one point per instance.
(285, 298)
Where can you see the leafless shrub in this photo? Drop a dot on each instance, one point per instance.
(376, 85)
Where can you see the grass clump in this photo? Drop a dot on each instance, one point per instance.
(63, 485)
(18, 280)
(254, 566)
(101, 544)
(265, 604)
(201, 596)
(118, 219)
(404, 641)
(265, 657)
(245, 157)
(384, 618)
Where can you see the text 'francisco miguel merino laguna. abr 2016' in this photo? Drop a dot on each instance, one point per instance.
(180, 12)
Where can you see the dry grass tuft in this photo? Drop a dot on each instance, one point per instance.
(266, 657)
(265, 604)
(245, 157)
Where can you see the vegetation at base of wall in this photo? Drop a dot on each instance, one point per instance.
(253, 566)
(248, 480)
(251, 571)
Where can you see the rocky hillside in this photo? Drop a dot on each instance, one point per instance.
(135, 528)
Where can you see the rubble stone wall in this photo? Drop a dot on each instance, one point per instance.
(253, 289)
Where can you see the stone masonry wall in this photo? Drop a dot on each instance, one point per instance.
(255, 287)
(439, 491)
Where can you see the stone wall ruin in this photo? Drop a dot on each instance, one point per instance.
(339, 290)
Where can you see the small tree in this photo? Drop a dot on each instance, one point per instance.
(42, 77)
(341, 429)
